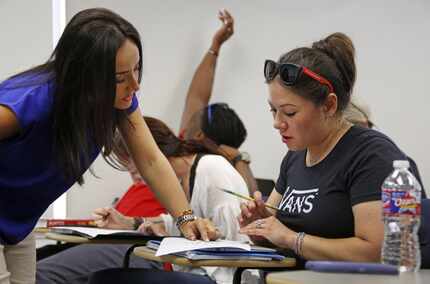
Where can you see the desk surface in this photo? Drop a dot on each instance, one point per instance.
(150, 255)
(306, 276)
(41, 230)
(83, 240)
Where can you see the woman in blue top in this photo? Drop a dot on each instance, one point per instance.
(55, 119)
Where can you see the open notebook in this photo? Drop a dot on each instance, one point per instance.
(103, 234)
(220, 249)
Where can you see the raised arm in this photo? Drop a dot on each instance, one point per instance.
(200, 90)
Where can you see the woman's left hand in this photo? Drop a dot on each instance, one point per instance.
(200, 229)
(271, 229)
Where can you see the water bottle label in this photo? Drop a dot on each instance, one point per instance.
(397, 203)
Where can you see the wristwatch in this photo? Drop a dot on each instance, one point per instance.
(137, 222)
(243, 156)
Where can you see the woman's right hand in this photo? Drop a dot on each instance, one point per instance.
(253, 210)
(225, 31)
(153, 227)
(110, 218)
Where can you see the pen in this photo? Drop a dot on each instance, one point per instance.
(246, 197)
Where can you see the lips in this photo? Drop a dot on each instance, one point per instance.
(285, 138)
(127, 98)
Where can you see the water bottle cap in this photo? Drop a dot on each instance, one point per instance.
(401, 164)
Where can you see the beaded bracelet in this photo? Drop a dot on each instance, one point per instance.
(298, 244)
(185, 217)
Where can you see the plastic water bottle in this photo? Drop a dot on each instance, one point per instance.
(401, 198)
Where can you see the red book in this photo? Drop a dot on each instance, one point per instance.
(70, 222)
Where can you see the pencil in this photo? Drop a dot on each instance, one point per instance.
(246, 197)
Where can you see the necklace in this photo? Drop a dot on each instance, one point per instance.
(333, 142)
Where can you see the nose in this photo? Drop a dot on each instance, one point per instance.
(278, 123)
(134, 81)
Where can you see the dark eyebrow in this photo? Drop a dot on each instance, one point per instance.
(122, 72)
(287, 105)
(270, 103)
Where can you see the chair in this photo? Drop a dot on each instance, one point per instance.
(123, 274)
(424, 233)
(129, 275)
(265, 186)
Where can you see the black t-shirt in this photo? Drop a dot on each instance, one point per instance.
(318, 200)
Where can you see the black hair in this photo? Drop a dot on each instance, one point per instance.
(83, 69)
(169, 144)
(222, 125)
(332, 58)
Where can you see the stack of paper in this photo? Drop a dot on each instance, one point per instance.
(221, 249)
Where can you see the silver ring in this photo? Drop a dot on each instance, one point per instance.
(259, 224)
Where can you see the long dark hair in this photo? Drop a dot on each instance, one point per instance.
(83, 69)
(169, 144)
(332, 58)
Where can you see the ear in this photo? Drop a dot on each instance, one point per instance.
(330, 105)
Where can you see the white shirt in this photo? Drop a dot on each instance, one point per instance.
(207, 201)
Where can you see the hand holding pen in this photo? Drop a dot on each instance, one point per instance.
(254, 209)
(110, 218)
(247, 198)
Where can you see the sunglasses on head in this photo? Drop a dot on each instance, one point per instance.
(290, 73)
(211, 108)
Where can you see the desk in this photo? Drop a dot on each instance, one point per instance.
(306, 276)
(41, 230)
(83, 240)
(240, 264)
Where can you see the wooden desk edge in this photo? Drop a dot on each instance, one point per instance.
(83, 240)
(150, 255)
(66, 238)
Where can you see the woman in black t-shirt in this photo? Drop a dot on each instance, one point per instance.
(328, 190)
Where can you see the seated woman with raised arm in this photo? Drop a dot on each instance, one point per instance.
(328, 190)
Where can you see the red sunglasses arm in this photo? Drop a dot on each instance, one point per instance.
(320, 79)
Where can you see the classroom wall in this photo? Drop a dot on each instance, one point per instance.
(21, 21)
(391, 38)
(26, 36)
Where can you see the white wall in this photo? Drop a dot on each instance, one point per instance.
(26, 36)
(391, 38)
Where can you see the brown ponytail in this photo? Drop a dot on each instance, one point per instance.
(332, 58)
(340, 48)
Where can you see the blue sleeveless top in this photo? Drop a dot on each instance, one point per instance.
(30, 180)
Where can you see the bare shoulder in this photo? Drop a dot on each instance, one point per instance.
(9, 124)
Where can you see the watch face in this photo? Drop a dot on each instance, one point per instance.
(245, 157)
